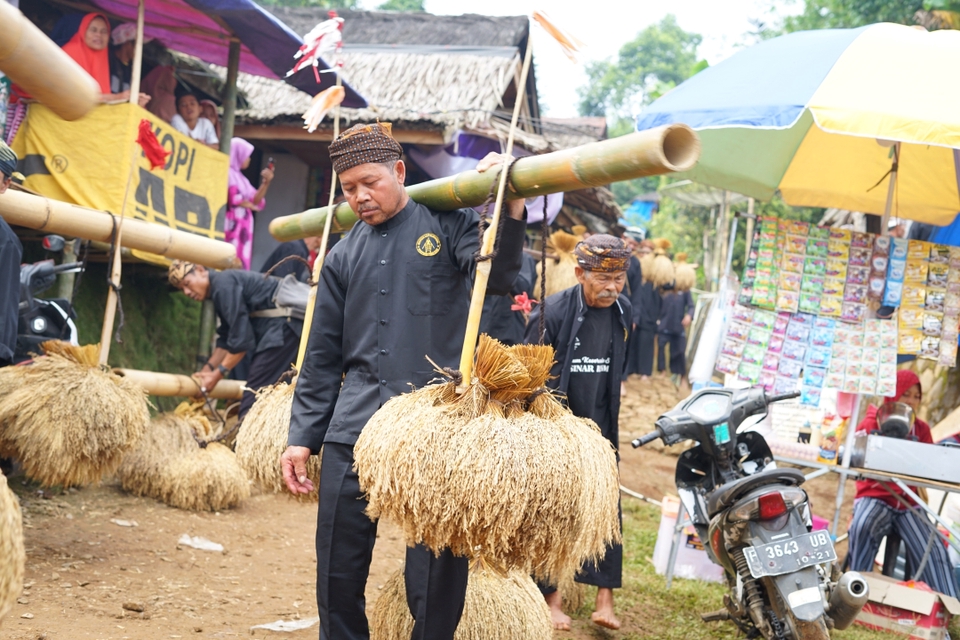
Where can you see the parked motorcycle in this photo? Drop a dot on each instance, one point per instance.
(755, 521)
(40, 320)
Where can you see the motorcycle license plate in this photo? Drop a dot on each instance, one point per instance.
(785, 556)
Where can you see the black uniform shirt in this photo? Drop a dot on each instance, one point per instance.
(235, 294)
(388, 296)
(589, 391)
(674, 307)
(10, 253)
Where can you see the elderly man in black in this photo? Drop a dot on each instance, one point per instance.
(11, 252)
(394, 290)
(588, 326)
(249, 322)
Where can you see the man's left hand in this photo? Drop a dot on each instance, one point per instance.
(686, 321)
(514, 208)
(208, 379)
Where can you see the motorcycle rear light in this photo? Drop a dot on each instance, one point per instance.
(771, 506)
(715, 541)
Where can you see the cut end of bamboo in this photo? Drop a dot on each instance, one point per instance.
(681, 147)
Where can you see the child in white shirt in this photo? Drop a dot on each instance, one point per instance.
(188, 121)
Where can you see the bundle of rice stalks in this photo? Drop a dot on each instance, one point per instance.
(262, 439)
(503, 472)
(66, 420)
(496, 608)
(12, 555)
(170, 464)
(685, 273)
(661, 268)
(560, 274)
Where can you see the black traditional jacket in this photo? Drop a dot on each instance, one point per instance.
(390, 295)
(285, 250)
(11, 251)
(565, 311)
(235, 294)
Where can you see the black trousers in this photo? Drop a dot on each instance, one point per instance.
(436, 586)
(640, 351)
(678, 359)
(267, 366)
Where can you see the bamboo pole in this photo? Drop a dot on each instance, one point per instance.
(109, 314)
(42, 68)
(666, 149)
(482, 272)
(172, 384)
(321, 254)
(54, 216)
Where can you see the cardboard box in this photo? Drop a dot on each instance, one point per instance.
(914, 612)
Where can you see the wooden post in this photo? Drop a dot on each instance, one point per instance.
(322, 252)
(109, 314)
(483, 268)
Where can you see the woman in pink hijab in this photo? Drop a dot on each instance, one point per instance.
(243, 200)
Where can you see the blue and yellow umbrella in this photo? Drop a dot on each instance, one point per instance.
(862, 119)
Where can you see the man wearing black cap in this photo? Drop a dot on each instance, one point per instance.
(11, 252)
(394, 290)
(588, 326)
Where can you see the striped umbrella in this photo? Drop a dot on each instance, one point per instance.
(863, 119)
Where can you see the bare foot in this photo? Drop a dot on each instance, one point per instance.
(560, 620)
(603, 616)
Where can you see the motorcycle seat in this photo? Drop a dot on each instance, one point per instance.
(727, 494)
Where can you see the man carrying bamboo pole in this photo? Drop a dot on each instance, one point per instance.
(588, 326)
(11, 252)
(249, 322)
(392, 291)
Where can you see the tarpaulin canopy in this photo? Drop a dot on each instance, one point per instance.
(203, 28)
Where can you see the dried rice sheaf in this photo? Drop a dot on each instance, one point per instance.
(262, 439)
(522, 487)
(66, 421)
(12, 554)
(495, 608)
(170, 465)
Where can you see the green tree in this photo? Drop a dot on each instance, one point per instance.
(411, 6)
(841, 14)
(661, 56)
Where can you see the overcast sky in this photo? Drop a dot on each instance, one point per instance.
(724, 25)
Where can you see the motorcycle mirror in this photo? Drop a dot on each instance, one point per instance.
(54, 243)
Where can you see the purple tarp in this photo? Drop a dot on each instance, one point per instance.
(267, 45)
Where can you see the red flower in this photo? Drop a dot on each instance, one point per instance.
(523, 302)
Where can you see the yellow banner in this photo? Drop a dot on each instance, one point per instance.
(88, 162)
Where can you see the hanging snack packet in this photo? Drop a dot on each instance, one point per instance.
(795, 244)
(881, 245)
(788, 300)
(727, 364)
(836, 268)
(810, 396)
(765, 297)
(776, 344)
(868, 386)
(853, 312)
(817, 247)
(793, 262)
(790, 281)
(939, 254)
(749, 372)
(929, 348)
(809, 302)
(831, 307)
(909, 341)
(916, 271)
(822, 336)
(860, 240)
(731, 347)
(918, 250)
(914, 295)
(948, 353)
(753, 354)
(851, 385)
(910, 317)
(818, 357)
(764, 319)
(793, 351)
(742, 314)
(859, 257)
(767, 380)
(833, 380)
(899, 248)
(875, 287)
(932, 323)
(771, 361)
(855, 293)
(758, 336)
(785, 384)
(937, 275)
(812, 284)
(815, 266)
(789, 368)
(936, 300)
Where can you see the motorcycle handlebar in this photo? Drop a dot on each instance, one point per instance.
(644, 439)
(782, 396)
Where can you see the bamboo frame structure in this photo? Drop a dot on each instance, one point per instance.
(666, 149)
(62, 84)
(54, 216)
(172, 384)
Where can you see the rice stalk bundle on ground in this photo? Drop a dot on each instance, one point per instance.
(560, 274)
(206, 479)
(502, 472)
(262, 439)
(12, 555)
(496, 608)
(67, 421)
(167, 438)
(170, 464)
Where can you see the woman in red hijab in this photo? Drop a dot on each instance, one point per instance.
(88, 47)
(876, 512)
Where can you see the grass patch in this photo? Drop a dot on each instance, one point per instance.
(648, 610)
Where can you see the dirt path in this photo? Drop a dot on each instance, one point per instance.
(90, 577)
